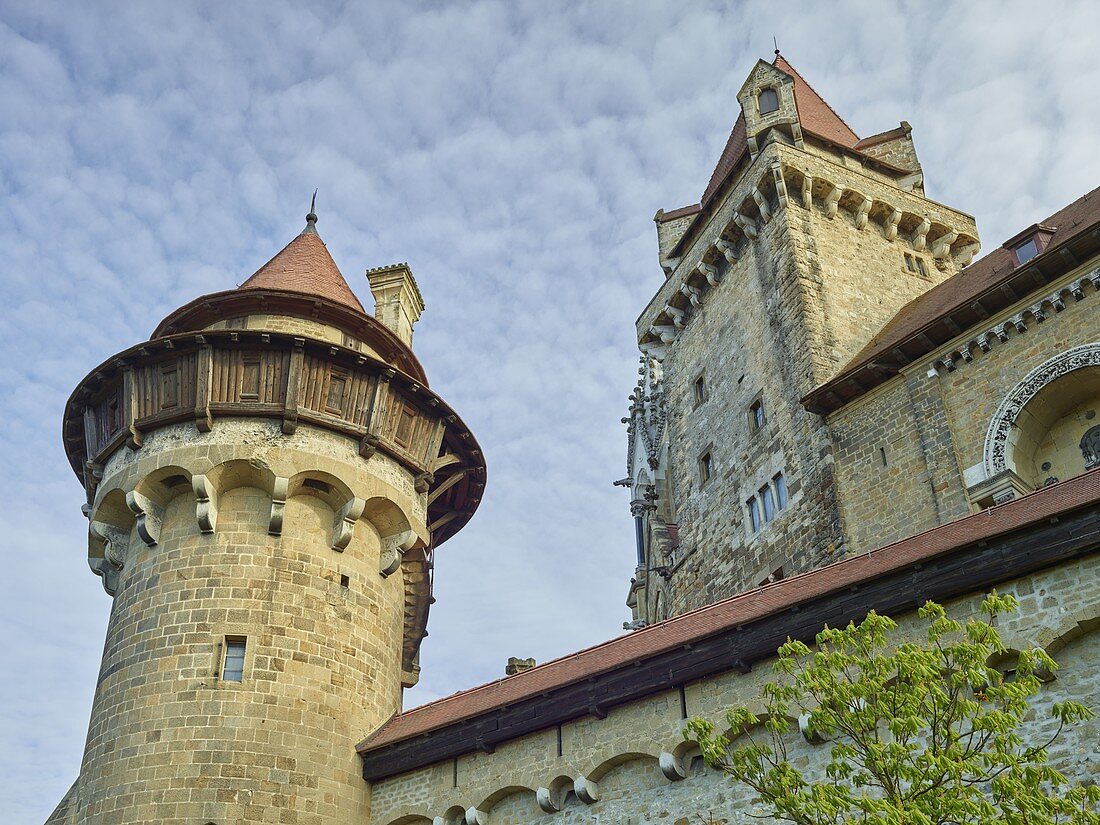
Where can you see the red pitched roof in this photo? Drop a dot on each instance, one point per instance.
(816, 116)
(739, 610)
(305, 265)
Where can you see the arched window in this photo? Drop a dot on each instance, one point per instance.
(768, 101)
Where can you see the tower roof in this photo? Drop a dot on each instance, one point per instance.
(816, 116)
(305, 265)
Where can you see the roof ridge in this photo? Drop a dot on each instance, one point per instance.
(793, 71)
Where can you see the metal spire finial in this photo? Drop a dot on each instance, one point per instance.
(312, 216)
(776, 44)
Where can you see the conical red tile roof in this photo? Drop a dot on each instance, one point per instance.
(305, 265)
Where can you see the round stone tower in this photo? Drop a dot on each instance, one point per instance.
(267, 478)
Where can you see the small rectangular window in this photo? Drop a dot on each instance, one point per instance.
(1026, 251)
(405, 420)
(706, 467)
(882, 456)
(754, 513)
(780, 490)
(169, 387)
(233, 663)
(337, 384)
(756, 414)
(768, 500)
(700, 391)
(920, 267)
(250, 378)
(910, 264)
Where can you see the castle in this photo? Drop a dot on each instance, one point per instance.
(839, 408)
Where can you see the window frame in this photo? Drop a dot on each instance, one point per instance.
(231, 640)
(767, 502)
(706, 466)
(758, 416)
(755, 522)
(699, 389)
(782, 494)
(760, 101)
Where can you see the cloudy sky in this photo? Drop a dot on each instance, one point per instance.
(514, 153)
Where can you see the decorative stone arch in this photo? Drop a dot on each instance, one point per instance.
(599, 768)
(407, 817)
(551, 798)
(485, 808)
(1000, 439)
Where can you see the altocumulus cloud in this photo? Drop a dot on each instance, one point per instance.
(514, 154)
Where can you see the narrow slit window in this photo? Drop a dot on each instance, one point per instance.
(700, 391)
(754, 513)
(768, 500)
(233, 666)
(706, 467)
(780, 490)
(756, 414)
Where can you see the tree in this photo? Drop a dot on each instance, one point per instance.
(920, 733)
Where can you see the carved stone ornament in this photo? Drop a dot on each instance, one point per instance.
(996, 454)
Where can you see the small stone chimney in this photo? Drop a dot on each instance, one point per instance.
(515, 665)
(397, 299)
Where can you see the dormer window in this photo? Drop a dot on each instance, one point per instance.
(1026, 251)
(768, 101)
(1029, 243)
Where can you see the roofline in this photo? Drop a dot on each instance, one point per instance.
(663, 216)
(197, 313)
(1060, 523)
(883, 137)
(869, 372)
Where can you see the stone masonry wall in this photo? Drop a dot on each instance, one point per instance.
(171, 742)
(1059, 610)
(931, 428)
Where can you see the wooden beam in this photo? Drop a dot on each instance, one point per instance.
(445, 485)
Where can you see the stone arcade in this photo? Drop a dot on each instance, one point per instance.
(839, 408)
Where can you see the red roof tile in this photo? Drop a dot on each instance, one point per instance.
(748, 607)
(305, 265)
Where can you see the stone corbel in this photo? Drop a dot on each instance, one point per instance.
(808, 733)
(547, 801)
(1018, 322)
(710, 273)
(920, 234)
(278, 505)
(114, 541)
(476, 817)
(692, 294)
(393, 551)
(761, 204)
(1057, 302)
(666, 333)
(967, 253)
(941, 247)
(206, 503)
(368, 445)
(344, 527)
(671, 766)
(862, 213)
(891, 226)
(780, 184)
(807, 191)
(983, 343)
(676, 314)
(149, 516)
(727, 249)
(832, 201)
(586, 790)
(423, 482)
(747, 224)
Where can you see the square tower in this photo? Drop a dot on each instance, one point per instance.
(806, 241)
